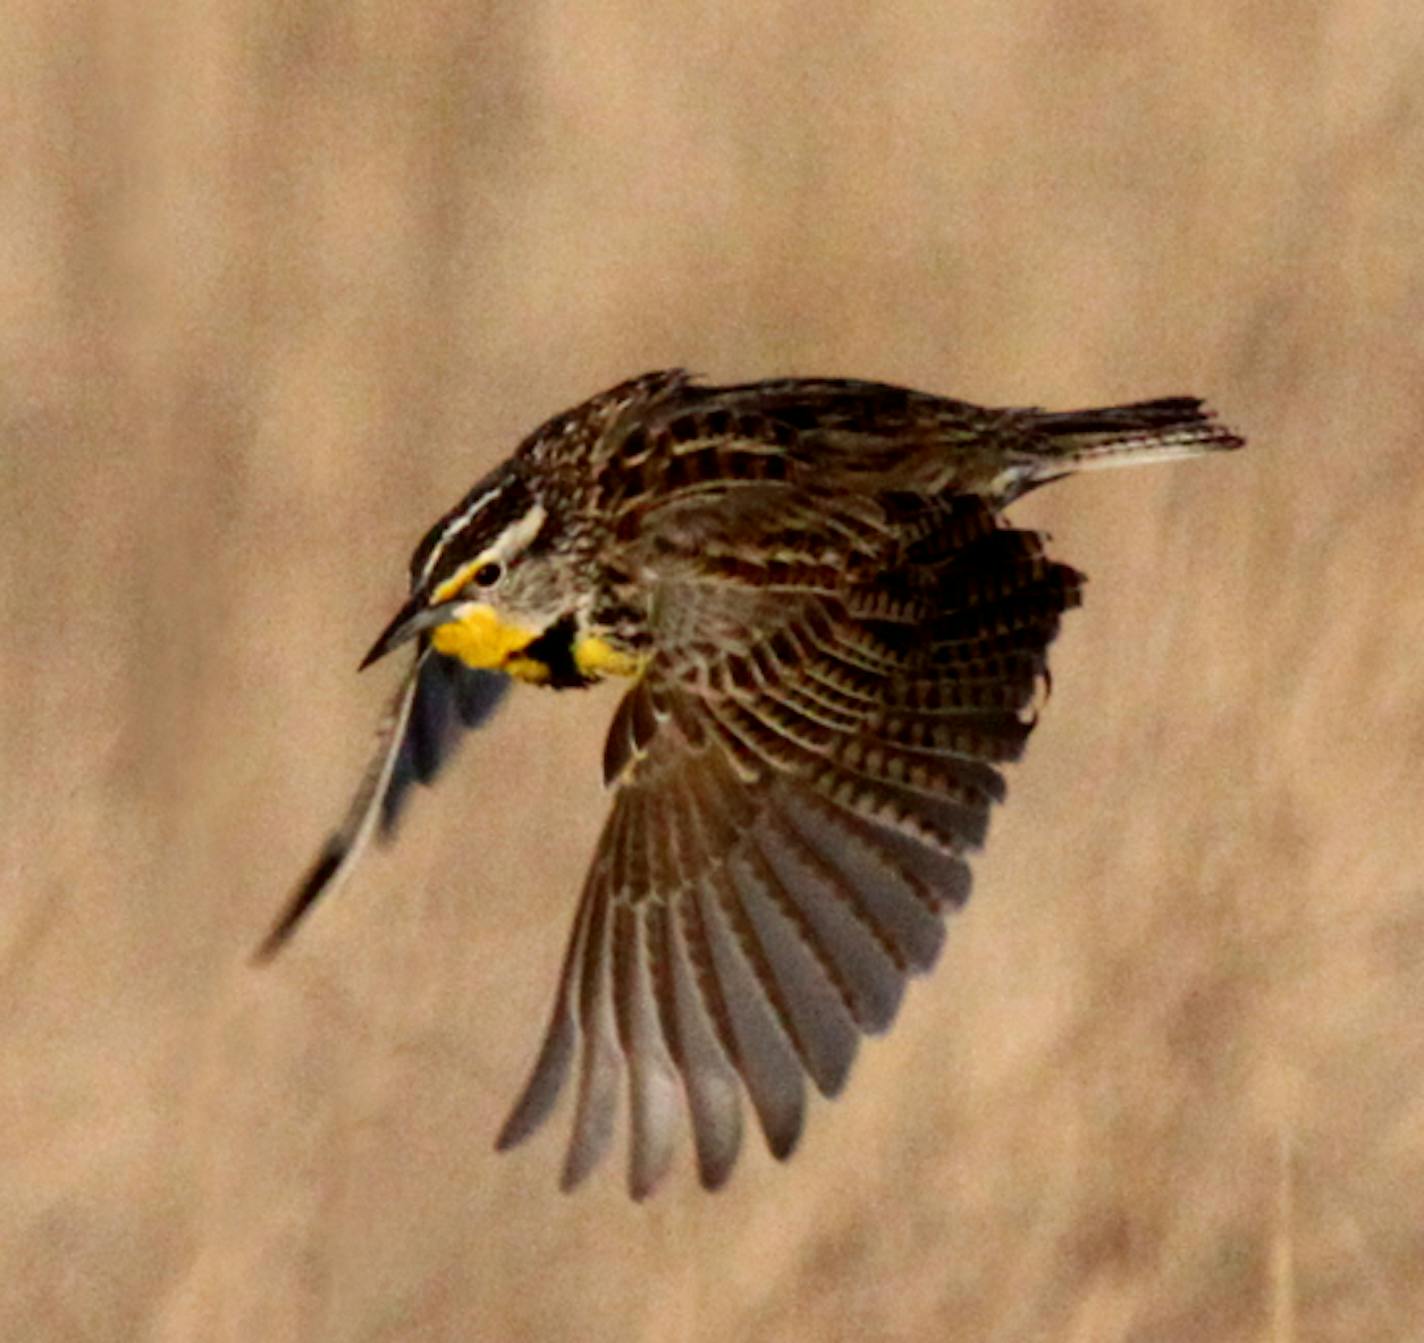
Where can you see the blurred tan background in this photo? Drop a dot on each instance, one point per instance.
(279, 280)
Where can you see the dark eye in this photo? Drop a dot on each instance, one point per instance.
(487, 575)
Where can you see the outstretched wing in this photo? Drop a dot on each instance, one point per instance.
(438, 700)
(790, 825)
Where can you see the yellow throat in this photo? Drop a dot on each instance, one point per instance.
(479, 638)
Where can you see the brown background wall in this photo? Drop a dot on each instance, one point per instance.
(278, 280)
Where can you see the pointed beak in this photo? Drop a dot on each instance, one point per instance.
(413, 618)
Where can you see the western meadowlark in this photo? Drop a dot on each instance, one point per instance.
(834, 642)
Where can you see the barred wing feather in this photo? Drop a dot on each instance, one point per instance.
(790, 826)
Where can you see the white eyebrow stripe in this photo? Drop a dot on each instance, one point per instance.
(518, 538)
(454, 526)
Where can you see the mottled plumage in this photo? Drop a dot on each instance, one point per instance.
(836, 642)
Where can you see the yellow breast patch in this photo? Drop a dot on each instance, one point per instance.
(597, 657)
(528, 669)
(479, 638)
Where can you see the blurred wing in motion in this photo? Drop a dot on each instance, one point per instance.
(790, 826)
(437, 701)
(449, 698)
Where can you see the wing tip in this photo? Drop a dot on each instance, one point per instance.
(309, 890)
(511, 1134)
(783, 1142)
(716, 1177)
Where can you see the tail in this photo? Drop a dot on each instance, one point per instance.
(1146, 431)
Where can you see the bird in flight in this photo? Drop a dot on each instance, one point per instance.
(833, 639)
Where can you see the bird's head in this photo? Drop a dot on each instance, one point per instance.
(489, 586)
